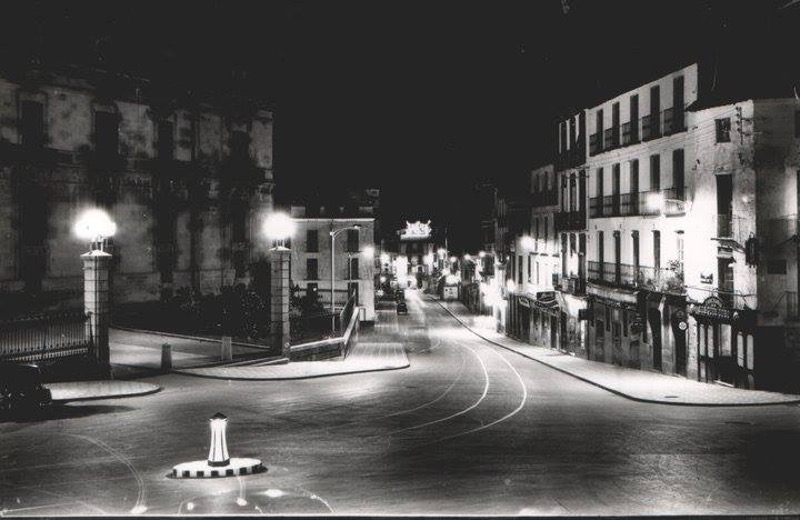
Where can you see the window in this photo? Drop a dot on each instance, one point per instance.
(723, 130)
(32, 123)
(600, 250)
(573, 138)
(312, 269)
(635, 248)
(634, 176)
(571, 244)
(529, 267)
(679, 245)
(599, 182)
(106, 134)
(240, 145)
(519, 269)
(166, 140)
(678, 179)
(352, 240)
(634, 118)
(599, 129)
(655, 172)
(572, 195)
(563, 142)
(352, 264)
(544, 226)
(312, 241)
(536, 228)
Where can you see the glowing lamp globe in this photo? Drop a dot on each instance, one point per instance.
(467, 257)
(385, 258)
(95, 225)
(511, 285)
(453, 259)
(369, 251)
(279, 226)
(481, 254)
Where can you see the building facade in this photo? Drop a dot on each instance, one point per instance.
(353, 255)
(187, 182)
(571, 228)
(639, 154)
(742, 271)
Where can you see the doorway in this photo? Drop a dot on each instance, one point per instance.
(654, 319)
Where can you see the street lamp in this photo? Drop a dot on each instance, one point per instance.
(279, 227)
(334, 233)
(95, 226)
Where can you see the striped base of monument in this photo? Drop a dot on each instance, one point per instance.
(202, 469)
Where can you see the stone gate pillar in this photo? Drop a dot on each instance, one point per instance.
(279, 298)
(96, 305)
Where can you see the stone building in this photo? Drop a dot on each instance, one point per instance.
(354, 253)
(639, 154)
(570, 225)
(186, 179)
(741, 273)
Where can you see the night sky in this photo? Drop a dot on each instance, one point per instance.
(420, 99)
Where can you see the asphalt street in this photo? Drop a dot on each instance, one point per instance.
(468, 428)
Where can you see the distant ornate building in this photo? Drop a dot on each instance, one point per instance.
(186, 180)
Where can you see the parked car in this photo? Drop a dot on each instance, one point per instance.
(402, 308)
(21, 387)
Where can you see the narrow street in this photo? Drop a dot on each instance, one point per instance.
(468, 428)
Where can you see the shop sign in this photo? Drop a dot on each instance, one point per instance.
(707, 278)
(713, 309)
(546, 295)
(416, 231)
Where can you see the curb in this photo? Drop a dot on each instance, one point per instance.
(116, 396)
(297, 378)
(606, 388)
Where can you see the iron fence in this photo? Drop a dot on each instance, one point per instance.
(44, 337)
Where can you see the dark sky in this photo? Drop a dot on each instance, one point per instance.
(420, 99)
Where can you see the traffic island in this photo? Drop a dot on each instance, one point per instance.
(218, 464)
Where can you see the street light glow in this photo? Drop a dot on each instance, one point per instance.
(369, 251)
(95, 225)
(528, 242)
(481, 254)
(279, 226)
(385, 258)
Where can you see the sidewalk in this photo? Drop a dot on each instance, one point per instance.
(89, 390)
(638, 385)
(138, 353)
(365, 357)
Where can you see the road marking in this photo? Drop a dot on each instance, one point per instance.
(429, 403)
(141, 498)
(462, 412)
(505, 417)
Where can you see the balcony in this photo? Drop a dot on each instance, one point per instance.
(674, 121)
(544, 198)
(571, 285)
(644, 203)
(638, 277)
(630, 133)
(595, 143)
(611, 138)
(651, 127)
(570, 221)
(572, 158)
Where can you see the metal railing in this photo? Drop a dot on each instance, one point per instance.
(611, 138)
(571, 285)
(655, 202)
(595, 143)
(573, 157)
(44, 337)
(636, 276)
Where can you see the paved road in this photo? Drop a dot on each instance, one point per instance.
(468, 428)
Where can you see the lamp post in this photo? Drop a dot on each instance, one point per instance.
(279, 227)
(95, 226)
(334, 233)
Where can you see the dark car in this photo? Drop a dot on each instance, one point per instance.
(402, 308)
(21, 387)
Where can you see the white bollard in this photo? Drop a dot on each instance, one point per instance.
(226, 349)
